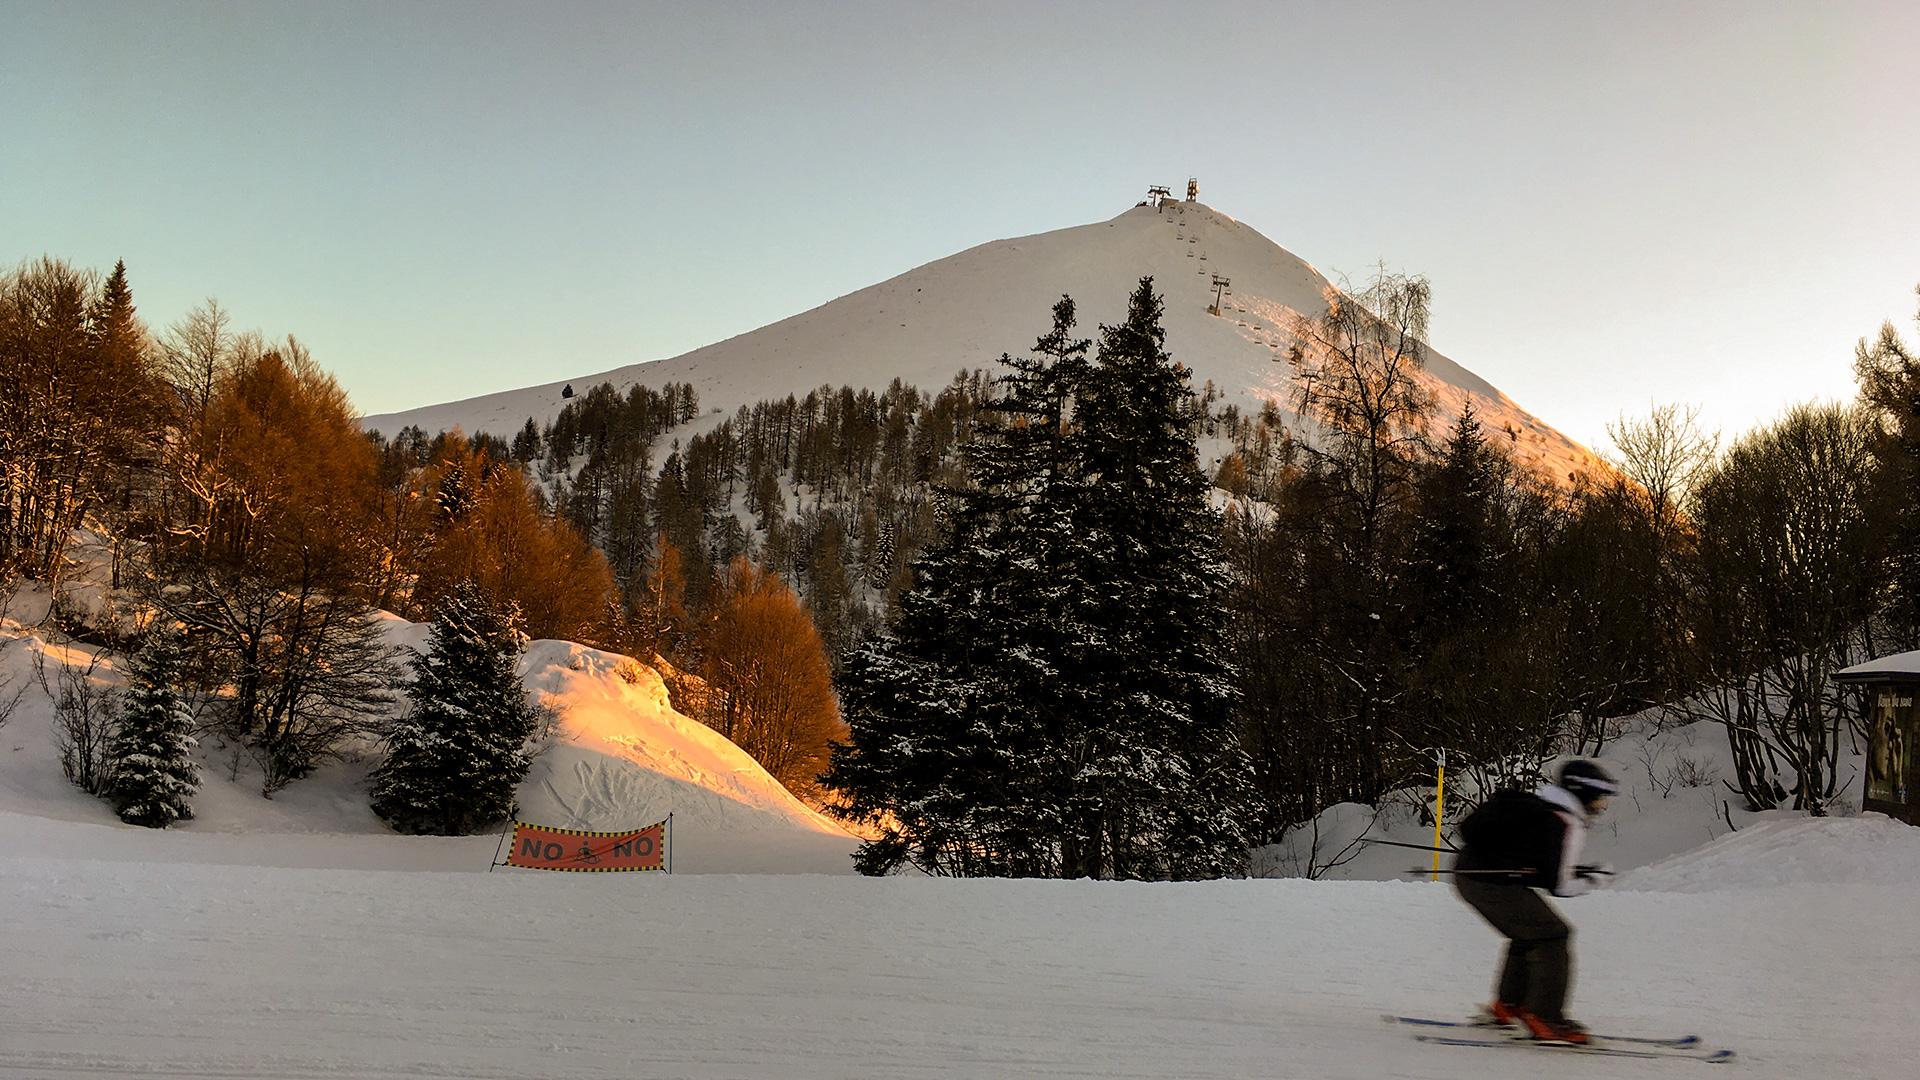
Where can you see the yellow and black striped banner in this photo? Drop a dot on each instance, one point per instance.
(542, 847)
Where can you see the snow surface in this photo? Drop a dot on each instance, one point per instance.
(622, 758)
(965, 311)
(297, 938)
(181, 968)
(1906, 663)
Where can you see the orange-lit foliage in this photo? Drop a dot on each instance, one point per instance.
(657, 602)
(266, 559)
(489, 530)
(283, 476)
(770, 689)
(79, 406)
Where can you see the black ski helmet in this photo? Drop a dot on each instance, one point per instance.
(1587, 780)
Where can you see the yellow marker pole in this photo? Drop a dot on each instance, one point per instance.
(1439, 802)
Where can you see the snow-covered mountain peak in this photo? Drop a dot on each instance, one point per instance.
(965, 310)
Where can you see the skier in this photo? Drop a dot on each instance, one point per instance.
(1517, 842)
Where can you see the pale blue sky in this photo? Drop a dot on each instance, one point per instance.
(1617, 203)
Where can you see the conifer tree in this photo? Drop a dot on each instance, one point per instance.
(1162, 782)
(1447, 561)
(1461, 604)
(955, 746)
(926, 762)
(115, 324)
(1889, 373)
(526, 445)
(457, 757)
(1053, 698)
(150, 761)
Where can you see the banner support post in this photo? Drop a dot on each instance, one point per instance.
(503, 843)
(1439, 805)
(669, 841)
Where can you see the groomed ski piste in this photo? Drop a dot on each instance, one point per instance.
(298, 938)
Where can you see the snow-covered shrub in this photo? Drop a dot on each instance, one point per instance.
(84, 719)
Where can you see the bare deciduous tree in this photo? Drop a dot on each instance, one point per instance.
(268, 559)
(196, 354)
(1666, 454)
(85, 715)
(1357, 369)
(9, 702)
(1782, 579)
(1357, 373)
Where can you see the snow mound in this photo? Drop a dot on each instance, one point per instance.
(1788, 849)
(631, 749)
(620, 757)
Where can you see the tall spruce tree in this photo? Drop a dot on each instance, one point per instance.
(1470, 648)
(1053, 699)
(1889, 373)
(458, 755)
(150, 764)
(1161, 785)
(1444, 593)
(951, 754)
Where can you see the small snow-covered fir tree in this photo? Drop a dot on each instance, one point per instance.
(151, 772)
(455, 760)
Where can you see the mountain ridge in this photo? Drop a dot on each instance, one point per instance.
(964, 311)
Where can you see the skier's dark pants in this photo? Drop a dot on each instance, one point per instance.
(1539, 960)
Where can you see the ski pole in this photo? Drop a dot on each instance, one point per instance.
(1416, 847)
(1482, 873)
(1509, 873)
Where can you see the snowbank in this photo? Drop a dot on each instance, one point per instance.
(622, 758)
(1785, 848)
(1674, 800)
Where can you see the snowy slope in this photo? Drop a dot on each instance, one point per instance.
(966, 310)
(173, 968)
(273, 939)
(622, 758)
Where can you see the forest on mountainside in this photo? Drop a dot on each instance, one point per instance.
(1385, 591)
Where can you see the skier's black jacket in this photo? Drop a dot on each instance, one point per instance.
(1535, 836)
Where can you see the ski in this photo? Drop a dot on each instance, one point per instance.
(1674, 1041)
(1597, 1048)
